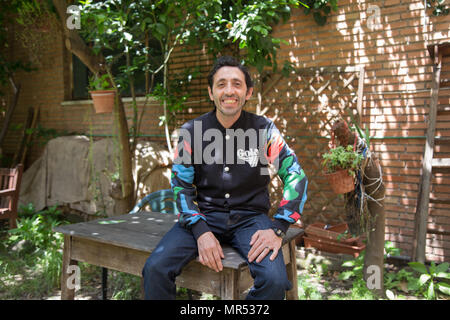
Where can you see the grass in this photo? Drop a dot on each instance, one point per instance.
(31, 259)
(22, 275)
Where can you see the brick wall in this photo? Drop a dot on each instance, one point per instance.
(396, 97)
(48, 87)
(395, 105)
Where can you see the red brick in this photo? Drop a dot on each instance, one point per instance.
(391, 65)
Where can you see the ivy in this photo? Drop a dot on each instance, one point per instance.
(320, 9)
(246, 26)
(439, 7)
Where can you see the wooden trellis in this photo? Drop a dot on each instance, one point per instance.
(304, 107)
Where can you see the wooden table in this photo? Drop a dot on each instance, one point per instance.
(124, 243)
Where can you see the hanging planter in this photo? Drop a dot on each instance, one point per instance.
(341, 181)
(103, 100)
(340, 165)
(103, 95)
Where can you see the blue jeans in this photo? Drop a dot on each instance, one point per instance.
(178, 247)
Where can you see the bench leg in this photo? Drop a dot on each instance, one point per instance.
(66, 293)
(105, 283)
(291, 269)
(142, 289)
(229, 287)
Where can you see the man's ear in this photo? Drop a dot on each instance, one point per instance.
(249, 93)
(210, 93)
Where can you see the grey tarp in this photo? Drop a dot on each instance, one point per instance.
(75, 171)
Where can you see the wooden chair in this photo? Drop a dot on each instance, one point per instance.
(9, 193)
(159, 201)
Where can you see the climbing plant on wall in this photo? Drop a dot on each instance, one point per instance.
(320, 9)
(438, 7)
(247, 25)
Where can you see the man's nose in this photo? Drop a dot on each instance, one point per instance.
(229, 89)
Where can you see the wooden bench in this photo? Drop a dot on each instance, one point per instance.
(124, 243)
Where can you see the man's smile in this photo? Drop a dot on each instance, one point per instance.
(230, 100)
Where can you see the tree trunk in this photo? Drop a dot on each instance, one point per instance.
(166, 114)
(372, 185)
(375, 245)
(121, 191)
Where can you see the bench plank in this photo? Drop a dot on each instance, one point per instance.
(123, 243)
(143, 232)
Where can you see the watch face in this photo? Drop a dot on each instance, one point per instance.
(278, 232)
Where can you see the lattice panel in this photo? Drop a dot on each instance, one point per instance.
(304, 106)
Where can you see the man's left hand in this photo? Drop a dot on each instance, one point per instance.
(262, 242)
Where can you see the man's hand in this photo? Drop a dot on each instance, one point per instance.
(262, 242)
(210, 252)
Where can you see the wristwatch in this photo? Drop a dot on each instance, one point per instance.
(279, 232)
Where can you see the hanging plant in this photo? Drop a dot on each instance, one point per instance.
(102, 93)
(340, 166)
(341, 158)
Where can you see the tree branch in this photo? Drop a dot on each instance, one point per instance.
(76, 44)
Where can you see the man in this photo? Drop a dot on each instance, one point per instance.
(220, 179)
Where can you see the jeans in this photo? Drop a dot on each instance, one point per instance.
(178, 247)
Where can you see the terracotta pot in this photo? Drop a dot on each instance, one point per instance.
(354, 248)
(103, 100)
(329, 239)
(341, 181)
(332, 233)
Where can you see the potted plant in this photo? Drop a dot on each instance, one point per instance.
(340, 165)
(103, 95)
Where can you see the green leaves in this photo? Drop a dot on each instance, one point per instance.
(100, 83)
(424, 278)
(36, 228)
(441, 271)
(320, 9)
(340, 158)
(438, 6)
(390, 249)
(421, 281)
(248, 24)
(419, 267)
(428, 281)
(356, 266)
(444, 288)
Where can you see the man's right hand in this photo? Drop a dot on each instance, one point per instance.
(210, 252)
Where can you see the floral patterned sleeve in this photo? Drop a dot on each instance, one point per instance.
(293, 177)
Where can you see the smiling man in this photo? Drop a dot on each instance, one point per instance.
(225, 198)
(229, 92)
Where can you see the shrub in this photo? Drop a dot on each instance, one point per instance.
(36, 230)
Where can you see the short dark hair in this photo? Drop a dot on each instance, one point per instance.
(228, 61)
